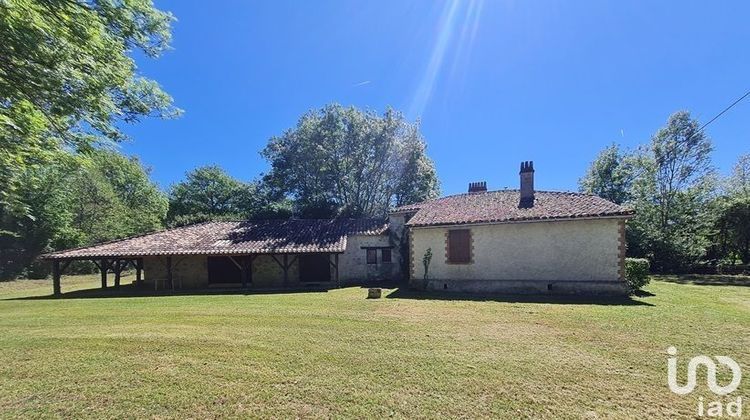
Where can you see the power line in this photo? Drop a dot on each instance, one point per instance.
(722, 112)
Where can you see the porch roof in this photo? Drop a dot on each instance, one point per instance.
(296, 236)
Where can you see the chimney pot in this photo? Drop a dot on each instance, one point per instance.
(527, 185)
(480, 186)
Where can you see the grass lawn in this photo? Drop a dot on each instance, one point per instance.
(337, 354)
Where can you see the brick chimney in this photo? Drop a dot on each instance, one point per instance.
(480, 186)
(527, 185)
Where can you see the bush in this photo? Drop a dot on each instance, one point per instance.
(636, 273)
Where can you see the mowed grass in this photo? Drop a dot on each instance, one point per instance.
(337, 354)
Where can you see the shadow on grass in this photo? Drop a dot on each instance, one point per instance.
(130, 291)
(707, 279)
(403, 293)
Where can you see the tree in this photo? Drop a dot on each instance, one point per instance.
(610, 175)
(209, 193)
(732, 239)
(733, 226)
(738, 183)
(145, 204)
(67, 80)
(342, 161)
(672, 195)
(78, 201)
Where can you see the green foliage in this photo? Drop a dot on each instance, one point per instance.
(209, 193)
(79, 201)
(671, 185)
(342, 161)
(738, 184)
(67, 80)
(610, 175)
(637, 273)
(426, 259)
(733, 229)
(673, 194)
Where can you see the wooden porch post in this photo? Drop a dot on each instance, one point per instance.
(56, 278)
(103, 267)
(250, 259)
(169, 272)
(139, 271)
(286, 270)
(117, 267)
(243, 272)
(336, 261)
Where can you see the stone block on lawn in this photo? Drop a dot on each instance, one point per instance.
(374, 293)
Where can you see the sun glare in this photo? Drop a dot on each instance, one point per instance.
(455, 33)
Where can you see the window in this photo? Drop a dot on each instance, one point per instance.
(372, 256)
(459, 246)
(385, 255)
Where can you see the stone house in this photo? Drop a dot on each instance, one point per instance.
(517, 241)
(508, 241)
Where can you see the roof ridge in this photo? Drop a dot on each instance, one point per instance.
(567, 192)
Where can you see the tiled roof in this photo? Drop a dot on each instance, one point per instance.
(233, 238)
(502, 206)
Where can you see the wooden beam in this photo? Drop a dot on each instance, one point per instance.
(117, 268)
(103, 268)
(245, 269)
(56, 278)
(231, 258)
(139, 271)
(336, 265)
(286, 270)
(250, 259)
(170, 281)
(277, 261)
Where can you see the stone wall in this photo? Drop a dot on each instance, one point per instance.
(267, 273)
(188, 272)
(533, 256)
(192, 271)
(353, 267)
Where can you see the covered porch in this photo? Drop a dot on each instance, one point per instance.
(195, 272)
(242, 254)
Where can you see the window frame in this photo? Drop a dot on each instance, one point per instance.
(383, 253)
(371, 252)
(469, 252)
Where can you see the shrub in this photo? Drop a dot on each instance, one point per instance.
(636, 273)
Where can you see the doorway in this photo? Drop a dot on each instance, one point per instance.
(221, 270)
(314, 268)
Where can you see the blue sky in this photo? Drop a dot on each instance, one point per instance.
(493, 82)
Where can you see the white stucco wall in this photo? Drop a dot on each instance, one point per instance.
(571, 250)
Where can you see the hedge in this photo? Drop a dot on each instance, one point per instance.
(636, 273)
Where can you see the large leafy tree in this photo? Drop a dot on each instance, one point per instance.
(671, 184)
(341, 161)
(80, 201)
(732, 239)
(672, 196)
(738, 183)
(209, 193)
(67, 79)
(610, 175)
(733, 228)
